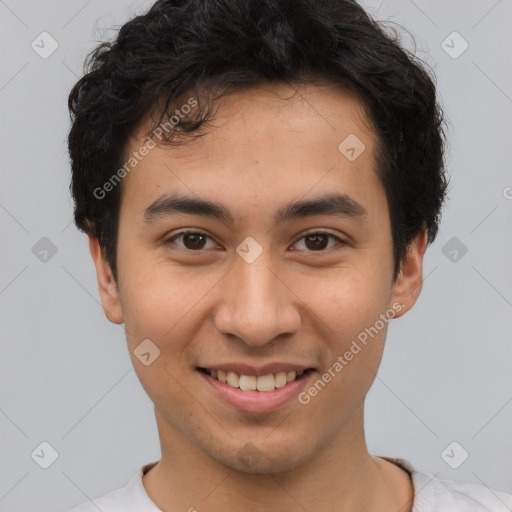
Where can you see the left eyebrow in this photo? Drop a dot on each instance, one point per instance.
(340, 205)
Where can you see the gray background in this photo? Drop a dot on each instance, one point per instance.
(66, 376)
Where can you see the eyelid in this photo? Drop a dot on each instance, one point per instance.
(318, 231)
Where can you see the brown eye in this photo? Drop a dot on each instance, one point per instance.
(191, 240)
(194, 241)
(318, 242)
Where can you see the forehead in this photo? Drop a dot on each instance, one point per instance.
(266, 142)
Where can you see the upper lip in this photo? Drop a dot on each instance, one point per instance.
(266, 369)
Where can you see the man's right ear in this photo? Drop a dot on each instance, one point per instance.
(107, 285)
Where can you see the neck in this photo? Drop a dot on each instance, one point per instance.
(341, 475)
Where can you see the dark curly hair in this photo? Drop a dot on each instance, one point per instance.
(209, 48)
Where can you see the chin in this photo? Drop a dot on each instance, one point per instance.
(264, 459)
(263, 466)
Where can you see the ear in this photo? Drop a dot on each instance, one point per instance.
(409, 282)
(107, 285)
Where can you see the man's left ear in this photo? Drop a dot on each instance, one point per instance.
(409, 282)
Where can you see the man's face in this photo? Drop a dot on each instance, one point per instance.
(259, 289)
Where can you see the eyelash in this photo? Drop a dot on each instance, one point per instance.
(170, 240)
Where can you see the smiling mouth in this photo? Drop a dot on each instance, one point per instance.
(262, 383)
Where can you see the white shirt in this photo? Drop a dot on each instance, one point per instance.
(431, 494)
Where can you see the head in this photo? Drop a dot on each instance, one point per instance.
(267, 128)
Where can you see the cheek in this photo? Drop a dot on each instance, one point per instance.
(349, 308)
(353, 333)
(154, 300)
(166, 304)
(347, 302)
(156, 305)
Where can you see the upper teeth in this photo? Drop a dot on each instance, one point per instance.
(251, 382)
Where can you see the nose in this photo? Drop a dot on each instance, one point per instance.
(257, 304)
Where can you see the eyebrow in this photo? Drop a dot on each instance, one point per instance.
(339, 205)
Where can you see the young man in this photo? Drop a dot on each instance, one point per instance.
(259, 180)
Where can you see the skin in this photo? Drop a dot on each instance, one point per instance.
(269, 146)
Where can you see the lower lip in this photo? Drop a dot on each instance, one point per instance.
(257, 401)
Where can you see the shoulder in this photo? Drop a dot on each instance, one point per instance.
(130, 498)
(490, 499)
(464, 496)
(432, 494)
(114, 501)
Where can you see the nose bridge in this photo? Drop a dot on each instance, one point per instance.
(256, 305)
